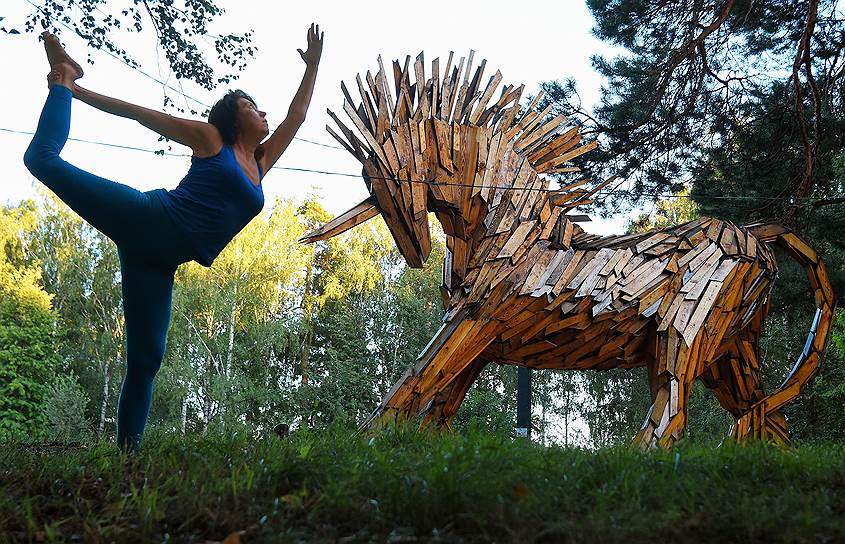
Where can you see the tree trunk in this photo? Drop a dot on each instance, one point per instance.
(227, 366)
(230, 347)
(307, 310)
(566, 419)
(104, 400)
(206, 409)
(184, 416)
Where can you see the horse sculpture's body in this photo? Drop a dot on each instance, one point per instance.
(525, 285)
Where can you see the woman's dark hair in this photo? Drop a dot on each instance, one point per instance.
(224, 116)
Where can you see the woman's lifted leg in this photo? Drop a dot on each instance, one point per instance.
(106, 205)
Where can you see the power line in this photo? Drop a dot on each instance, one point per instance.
(430, 182)
(160, 82)
(105, 144)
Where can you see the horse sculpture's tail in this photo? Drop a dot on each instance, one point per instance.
(764, 419)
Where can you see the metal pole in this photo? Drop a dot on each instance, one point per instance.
(523, 402)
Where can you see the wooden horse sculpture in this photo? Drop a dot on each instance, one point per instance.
(524, 285)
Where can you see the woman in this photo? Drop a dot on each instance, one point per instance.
(158, 230)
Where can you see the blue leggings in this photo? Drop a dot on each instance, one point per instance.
(149, 246)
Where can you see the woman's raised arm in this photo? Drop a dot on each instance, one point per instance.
(276, 144)
(204, 139)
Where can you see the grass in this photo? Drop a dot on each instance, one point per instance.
(405, 486)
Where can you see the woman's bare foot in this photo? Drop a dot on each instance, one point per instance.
(63, 74)
(57, 56)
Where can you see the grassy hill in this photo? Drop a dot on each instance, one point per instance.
(417, 487)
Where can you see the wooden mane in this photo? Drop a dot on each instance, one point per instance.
(454, 99)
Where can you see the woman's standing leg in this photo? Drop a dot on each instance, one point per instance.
(147, 299)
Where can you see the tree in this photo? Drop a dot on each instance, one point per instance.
(695, 76)
(666, 213)
(219, 314)
(181, 29)
(81, 271)
(27, 323)
(741, 104)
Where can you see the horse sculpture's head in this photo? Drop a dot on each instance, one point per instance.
(448, 147)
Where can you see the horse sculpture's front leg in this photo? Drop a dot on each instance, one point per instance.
(437, 383)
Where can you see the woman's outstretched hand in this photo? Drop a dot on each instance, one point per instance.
(315, 47)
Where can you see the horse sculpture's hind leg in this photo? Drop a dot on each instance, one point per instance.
(679, 359)
(735, 380)
(667, 376)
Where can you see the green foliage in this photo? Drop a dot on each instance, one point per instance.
(666, 213)
(376, 316)
(27, 346)
(692, 84)
(178, 27)
(239, 357)
(723, 100)
(482, 408)
(81, 271)
(472, 486)
(64, 409)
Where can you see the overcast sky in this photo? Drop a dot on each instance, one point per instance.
(529, 42)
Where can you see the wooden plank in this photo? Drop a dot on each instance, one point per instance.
(650, 241)
(462, 89)
(443, 135)
(569, 155)
(485, 97)
(633, 264)
(589, 282)
(728, 241)
(343, 222)
(569, 271)
(472, 94)
(701, 311)
(701, 258)
(356, 120)
(372, 118)
(525, 140)
(357, 144)
(541, 270)
(345, 145)
(704, 271)
(803, 249)
(381, 80)
(516, 239)
(643, 274)
(561, 144)
(383, 115)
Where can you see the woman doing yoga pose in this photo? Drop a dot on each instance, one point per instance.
(156, 231)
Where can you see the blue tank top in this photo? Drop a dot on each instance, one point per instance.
(213, 203)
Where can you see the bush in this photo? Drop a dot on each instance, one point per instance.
(65, 411)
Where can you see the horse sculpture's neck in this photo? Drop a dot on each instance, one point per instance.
(489, 191)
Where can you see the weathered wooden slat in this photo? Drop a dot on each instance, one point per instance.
(485, 97)
(516, 239)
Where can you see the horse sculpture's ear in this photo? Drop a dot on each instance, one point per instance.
(343, 222)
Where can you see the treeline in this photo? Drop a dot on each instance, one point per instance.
(275, 332)
(281, 333)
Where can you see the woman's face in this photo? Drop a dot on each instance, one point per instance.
(251, 120)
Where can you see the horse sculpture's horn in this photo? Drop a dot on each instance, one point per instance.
(343, 222)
